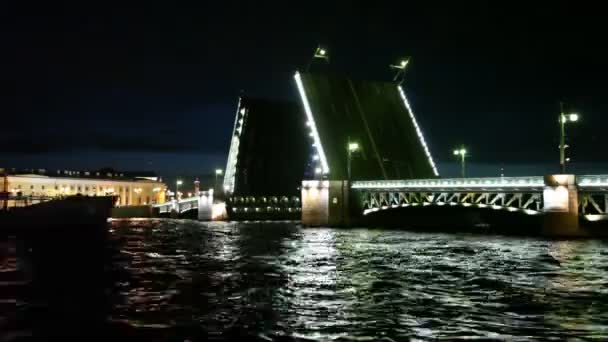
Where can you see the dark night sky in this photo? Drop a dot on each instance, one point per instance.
(155, 87)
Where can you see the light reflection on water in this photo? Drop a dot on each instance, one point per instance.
(186, 280)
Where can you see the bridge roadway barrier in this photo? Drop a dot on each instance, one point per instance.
(201, 202)
(564, 204)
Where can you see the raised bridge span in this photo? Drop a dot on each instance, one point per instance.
(276, 145)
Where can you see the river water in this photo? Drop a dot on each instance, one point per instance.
(184, 280)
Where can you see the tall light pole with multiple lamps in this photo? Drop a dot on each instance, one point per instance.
(461, 152)
(351, 148)
(563, 118)
(218, 172)
(177, 184)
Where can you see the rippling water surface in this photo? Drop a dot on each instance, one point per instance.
(184, 280)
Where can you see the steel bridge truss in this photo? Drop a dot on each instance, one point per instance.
(244, 205)
(527, 202)
(593, 203)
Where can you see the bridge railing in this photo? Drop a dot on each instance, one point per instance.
(592, 181)
(498, 183)
(180, 206)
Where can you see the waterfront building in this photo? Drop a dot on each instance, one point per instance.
(129, 188)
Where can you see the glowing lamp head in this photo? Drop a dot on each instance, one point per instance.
(179, 182)
(322, 52)
(573, 117)
(318, 170)
(219, 171)
(460, 152)
(242, 110)
(353, 147)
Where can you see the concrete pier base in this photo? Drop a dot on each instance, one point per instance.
(560, 207)
(325, 203)
(205, 205)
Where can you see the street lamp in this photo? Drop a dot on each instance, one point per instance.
(400, 66)
(563, 118)
(177, 184)
(320, 53)
(218, 172)
(351, 148)
(461, 152)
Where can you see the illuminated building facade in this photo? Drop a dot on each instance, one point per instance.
(129, 189)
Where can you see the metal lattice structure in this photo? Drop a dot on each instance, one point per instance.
(522, 194)
(593, 195)
(527, 202)
(251, 205)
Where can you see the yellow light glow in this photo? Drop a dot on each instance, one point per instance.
(218, 211)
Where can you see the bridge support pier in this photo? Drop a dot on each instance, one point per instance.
(174, 213)
(325, 203)
(205, 205)
(560, 206)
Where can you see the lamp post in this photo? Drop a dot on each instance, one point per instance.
(461, 152)
(177, 184)
(563, 118)
(351, 148)
(400, 66)
(320, 53)
(218, 172)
